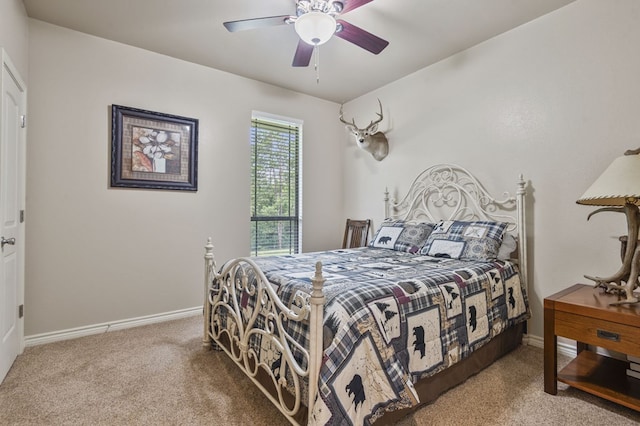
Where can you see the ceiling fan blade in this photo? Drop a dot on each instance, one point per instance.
(303, 54)
(353, 4)
(249, 24)
(360, 37)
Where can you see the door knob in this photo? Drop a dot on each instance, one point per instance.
(4, 241)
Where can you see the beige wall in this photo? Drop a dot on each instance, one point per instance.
(14, 34)
(96, 254)
(556, 99)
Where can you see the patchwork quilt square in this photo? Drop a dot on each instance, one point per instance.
(477, 321)
(424, 345)
(361, 384)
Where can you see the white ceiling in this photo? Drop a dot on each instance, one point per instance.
(420, 33)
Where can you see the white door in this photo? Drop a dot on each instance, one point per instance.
(11, 203)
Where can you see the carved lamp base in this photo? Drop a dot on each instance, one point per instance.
(625, 281)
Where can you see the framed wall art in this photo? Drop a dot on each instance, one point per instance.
(153, 150)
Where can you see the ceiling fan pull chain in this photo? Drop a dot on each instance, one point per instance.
(316, 52)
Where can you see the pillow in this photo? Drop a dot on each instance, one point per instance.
(479, 240)
(508, 246)
(400, 236)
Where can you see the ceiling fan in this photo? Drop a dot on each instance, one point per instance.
(315, 23)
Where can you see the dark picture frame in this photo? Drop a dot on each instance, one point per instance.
(153, 150)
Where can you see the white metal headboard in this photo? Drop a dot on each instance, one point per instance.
(448, 192)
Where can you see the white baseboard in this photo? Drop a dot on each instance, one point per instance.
(73, 333)
(567, 349)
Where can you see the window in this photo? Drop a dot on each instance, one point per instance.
(275, 185)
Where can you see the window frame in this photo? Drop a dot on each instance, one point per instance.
(289, 122)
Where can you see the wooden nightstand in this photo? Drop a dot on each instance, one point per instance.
(582, 313)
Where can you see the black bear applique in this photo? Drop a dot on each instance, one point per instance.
(473, 322)
(355, 388)
(419, 344)
(384, 240)
(512, 300)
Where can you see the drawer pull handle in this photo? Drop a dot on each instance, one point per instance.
(614, 337)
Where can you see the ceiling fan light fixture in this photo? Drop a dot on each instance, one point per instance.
(315, 28)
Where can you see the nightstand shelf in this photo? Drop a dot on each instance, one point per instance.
(602, 376)
(583, 313)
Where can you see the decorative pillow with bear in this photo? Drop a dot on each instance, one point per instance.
(479, 240)
(400, 236)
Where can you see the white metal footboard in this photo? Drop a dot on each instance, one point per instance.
(236, 329)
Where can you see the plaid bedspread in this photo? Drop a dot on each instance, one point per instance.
(392, 318)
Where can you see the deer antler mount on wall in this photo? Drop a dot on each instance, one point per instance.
(369, 138)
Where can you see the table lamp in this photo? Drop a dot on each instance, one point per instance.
(618, 190)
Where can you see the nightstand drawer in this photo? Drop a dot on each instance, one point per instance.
(593, 331)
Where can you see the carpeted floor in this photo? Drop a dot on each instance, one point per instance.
(161, 375)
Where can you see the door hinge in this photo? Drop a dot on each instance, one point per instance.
(21, 216)
(23, 121)
(20, 311)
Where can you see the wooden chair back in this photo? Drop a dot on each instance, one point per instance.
(356, 233)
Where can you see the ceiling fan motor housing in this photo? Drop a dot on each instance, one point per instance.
(330, 7)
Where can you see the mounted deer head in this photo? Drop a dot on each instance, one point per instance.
(369, 138)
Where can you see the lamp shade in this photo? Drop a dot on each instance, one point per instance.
(618, 185)
(315, 28)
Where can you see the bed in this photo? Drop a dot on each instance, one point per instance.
(357, 336)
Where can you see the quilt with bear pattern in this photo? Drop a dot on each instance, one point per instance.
(391, 318)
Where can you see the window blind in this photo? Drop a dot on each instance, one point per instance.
(275, 152)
